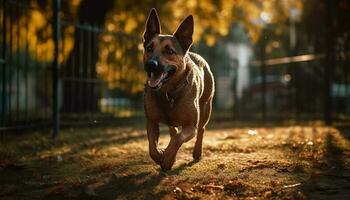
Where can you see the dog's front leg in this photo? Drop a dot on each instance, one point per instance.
(153, 136)
(169, 156)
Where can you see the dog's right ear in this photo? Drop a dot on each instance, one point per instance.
(152, 26)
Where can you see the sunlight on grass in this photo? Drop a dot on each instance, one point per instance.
(273, 162)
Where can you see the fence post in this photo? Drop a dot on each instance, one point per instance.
(55, 74)
(329, 62)
(263, 76)
(3, 64)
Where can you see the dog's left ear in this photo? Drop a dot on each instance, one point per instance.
(184, 33)
(152, 26)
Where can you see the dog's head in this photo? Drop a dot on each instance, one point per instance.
(164, 55)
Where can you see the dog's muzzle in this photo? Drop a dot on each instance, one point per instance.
(157, 73)
(151, 65)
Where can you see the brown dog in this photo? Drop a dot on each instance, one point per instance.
(178, 92)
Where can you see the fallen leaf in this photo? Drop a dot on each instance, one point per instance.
(252, 132)
(177, 190)
(267, 194)
(235, 186)
(56, 190)
(211, 186)
(185, 186)
(292, 185)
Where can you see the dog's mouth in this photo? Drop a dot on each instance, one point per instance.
(156, 79)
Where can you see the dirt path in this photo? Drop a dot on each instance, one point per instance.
(294, 162)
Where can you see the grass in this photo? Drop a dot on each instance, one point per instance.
(287, 162)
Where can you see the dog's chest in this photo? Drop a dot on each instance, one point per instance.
(171, 120)
(169, 110)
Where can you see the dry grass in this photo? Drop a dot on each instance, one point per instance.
(290, 162)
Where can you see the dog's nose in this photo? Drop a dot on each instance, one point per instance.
(151, 64)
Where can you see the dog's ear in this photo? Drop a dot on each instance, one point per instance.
(152, 26)
(184, 33)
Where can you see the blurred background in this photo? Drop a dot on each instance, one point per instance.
(273, 60)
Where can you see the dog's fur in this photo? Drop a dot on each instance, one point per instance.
(179, 90)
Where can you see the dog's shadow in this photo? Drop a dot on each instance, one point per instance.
(180, 168)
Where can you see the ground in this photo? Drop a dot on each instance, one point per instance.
(267, 162)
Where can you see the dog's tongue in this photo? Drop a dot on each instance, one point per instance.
(154, 80)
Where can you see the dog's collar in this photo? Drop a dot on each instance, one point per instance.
(172, 96)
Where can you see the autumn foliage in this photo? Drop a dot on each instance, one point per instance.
(120, 46)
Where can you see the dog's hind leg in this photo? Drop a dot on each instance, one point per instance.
(204, 119)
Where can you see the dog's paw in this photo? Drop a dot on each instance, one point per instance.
(197, 155)
(168, 161)
(166, 165)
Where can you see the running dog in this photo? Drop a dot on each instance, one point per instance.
(178, 92)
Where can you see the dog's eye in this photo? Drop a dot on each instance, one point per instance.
(149, 49)
(170, 52)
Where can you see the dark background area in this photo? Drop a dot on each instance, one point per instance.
(272, 60)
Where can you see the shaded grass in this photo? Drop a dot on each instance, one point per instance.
(287, 162)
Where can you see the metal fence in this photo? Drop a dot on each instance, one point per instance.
(51, 79)
(87, 93)
(25, 80)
